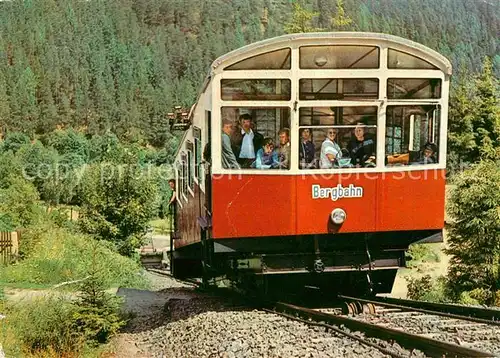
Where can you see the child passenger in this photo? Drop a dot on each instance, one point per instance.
(267, 157)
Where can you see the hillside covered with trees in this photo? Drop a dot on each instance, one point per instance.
(120, 66)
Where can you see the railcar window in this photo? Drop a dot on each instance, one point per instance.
(184, 174)
(340, 56)
(190, 165)
(179, 183)
(338, 89)
(412, 135)
(337, 137)
(197, 151)
(398, 59)
(260, 90)
(413, 88)
(274, 60)
(255, 138)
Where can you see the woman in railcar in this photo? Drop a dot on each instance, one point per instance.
(330, 150)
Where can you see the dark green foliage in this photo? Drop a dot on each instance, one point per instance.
(474, 235)
(18, 204)
(68, 143)
(119, 66)
(117, 201)
(428, 289)
(98, 313)
(14, 141)
(98, 316)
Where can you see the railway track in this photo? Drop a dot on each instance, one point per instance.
(400, 328)
(472, 327)
(375, 328)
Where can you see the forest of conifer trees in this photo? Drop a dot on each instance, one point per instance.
(120, 66)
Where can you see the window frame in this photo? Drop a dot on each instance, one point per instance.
(198, 155)
(295, 74)
(311, 127)
(374, 47)
(256, 107)
(436, 127)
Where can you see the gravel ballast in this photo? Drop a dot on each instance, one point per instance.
(177, 321)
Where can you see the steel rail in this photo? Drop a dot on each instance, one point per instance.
(340, 331)
(429, 346)
(473, 314)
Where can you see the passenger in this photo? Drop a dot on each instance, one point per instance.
(306, 150)
(228, 158)
(428, 155)
(267, 157)
(362, 147)
(246, 142)
(172, 205)
(330, 150)
(284, 149)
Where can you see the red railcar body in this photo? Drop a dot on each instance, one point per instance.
(262, 205)
(335, 222)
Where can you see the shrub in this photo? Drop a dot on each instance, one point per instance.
(421, 253)
(40, 324)
(427, 289)
(117, 203)
(98, 314)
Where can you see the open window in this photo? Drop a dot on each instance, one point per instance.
(337, 137)
(255, 138)
(412, 135)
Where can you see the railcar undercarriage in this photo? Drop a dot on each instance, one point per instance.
(342, 263)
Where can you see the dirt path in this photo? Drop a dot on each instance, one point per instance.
(149, 312)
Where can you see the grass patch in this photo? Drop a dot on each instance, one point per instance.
(58, 255)
(160, 226)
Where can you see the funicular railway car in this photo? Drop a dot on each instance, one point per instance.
(315, 159)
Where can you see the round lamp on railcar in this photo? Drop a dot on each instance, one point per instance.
(320, 61)
(338, 216)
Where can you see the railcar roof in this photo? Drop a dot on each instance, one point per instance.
(314, 37)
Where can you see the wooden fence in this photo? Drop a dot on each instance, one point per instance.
(9, 247)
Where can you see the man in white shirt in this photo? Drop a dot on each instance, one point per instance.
(246, 142)
(330, 150)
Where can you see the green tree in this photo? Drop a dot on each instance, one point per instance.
(341, 21)
(301, 20)
(461, 143)
(474, 235)
(117, 203)
(487, 118)
(14, 141)
(98, 313)
(18, 204)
